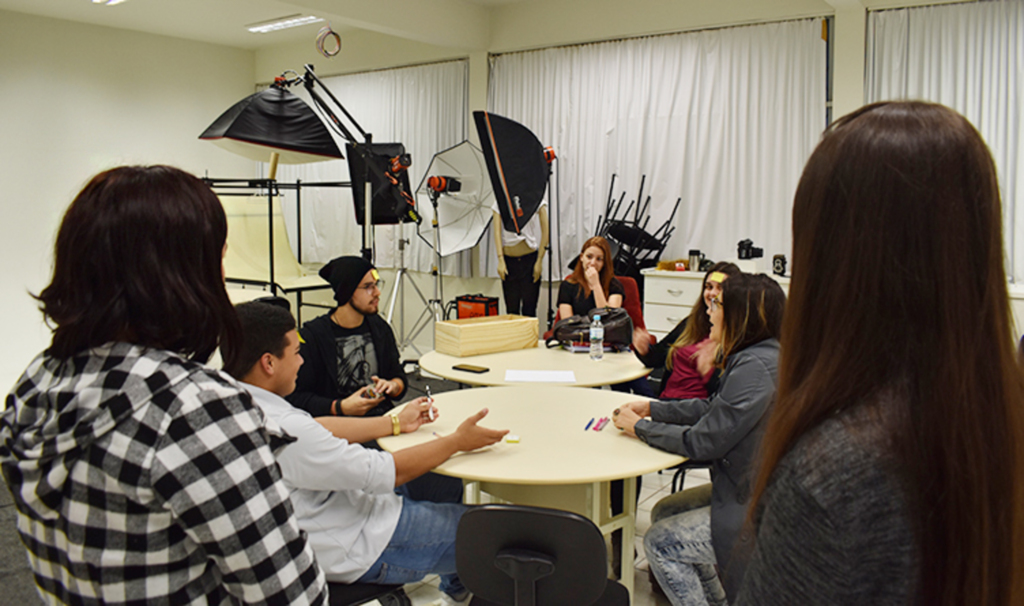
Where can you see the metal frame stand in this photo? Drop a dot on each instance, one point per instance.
(431, 307)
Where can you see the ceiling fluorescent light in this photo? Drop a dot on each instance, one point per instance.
(108, 2)
(282, 23)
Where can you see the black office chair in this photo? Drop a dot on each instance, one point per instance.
(512, 555)
(342, 594)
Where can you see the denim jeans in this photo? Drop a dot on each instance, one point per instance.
(423, 543)
(681, 557)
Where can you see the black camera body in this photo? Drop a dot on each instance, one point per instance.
(747, 250)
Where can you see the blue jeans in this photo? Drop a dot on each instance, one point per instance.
(423, 543)
(681, 556)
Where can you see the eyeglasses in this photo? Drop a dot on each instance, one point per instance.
(379, 285)
(716, 304)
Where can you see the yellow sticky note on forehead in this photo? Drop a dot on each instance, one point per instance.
(717, 276)
(373, 272)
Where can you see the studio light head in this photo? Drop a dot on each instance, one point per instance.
(444, 185)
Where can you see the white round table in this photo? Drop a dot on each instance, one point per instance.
(614, 368)
(556, 462)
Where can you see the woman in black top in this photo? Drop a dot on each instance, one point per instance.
(591, 284)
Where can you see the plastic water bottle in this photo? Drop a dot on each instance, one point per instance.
(596, 338)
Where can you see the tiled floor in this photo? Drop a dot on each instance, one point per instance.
(655, 486)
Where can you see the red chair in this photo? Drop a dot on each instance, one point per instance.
(631, 302)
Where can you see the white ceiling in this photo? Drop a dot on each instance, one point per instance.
(223, 21)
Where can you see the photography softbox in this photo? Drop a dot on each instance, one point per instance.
(387, 206)
(273, 120)
(516, 165)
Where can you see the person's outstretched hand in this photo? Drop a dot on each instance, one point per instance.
(470, 436)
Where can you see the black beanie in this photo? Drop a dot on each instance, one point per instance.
(344, 274)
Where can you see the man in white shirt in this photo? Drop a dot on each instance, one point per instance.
(344, 494)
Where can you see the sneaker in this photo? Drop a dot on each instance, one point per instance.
(447, 600)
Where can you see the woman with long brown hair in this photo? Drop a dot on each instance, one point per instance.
(685, 547)
(688, 353)
(592, 283)
(892, 461)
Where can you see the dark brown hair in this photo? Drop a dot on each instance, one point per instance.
(607, 271)
(698, 325)
(265, 329)
(752, 310)
(898, 286)
(138, 259)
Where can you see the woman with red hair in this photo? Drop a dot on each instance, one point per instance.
(592, 283)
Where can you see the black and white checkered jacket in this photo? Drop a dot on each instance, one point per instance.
(141, 477)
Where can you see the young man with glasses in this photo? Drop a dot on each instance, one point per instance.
(352, 366)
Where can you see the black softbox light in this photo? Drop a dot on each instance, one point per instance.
(387, 205)
(273, 120)
(516, 164)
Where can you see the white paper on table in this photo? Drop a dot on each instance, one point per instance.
(540, 376)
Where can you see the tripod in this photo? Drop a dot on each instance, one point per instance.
(432, 308)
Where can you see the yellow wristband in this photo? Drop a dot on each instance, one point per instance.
(396, 427)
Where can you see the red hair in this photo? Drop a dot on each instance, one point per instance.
(579, 278)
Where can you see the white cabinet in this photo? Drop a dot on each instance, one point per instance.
(669, 296)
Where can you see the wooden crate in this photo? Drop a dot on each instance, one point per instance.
(489, 334)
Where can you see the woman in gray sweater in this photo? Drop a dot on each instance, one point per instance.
(684, 549)
(893, 457)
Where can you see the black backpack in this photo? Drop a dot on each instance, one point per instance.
(618, 328)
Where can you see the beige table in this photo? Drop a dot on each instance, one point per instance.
(556, 462)
(614, 368)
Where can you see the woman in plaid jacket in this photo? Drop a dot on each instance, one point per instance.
(139, 474)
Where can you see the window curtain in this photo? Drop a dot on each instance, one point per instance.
(968, 57)
(424, 107)
(723, 119)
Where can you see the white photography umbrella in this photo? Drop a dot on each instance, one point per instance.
(458, 186)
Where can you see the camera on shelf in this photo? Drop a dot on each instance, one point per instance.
(747, 250)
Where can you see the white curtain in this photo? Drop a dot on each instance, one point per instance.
(424, 107)
(724, 119)
(969, 57)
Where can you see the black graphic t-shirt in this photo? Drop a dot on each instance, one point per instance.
(357, 359)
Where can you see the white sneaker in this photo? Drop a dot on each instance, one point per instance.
(447, 600)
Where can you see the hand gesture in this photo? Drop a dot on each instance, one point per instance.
(502, 268)
(641, 407)
(592, 275)
(626, 417)
(415, 414)
(470, 436)
(641, 341)
(384, 387)
(359, 403)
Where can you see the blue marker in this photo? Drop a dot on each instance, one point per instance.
(588, 425)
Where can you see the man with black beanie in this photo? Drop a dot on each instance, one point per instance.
(352, 366)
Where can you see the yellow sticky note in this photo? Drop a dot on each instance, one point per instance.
(373, 272)
(512, 439)
(717, 276)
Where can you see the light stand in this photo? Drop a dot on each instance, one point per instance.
(371, 162)
(397, 294)
(433, 309)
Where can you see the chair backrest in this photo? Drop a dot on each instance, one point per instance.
(559, 557)
(632, 303)
(248, 255)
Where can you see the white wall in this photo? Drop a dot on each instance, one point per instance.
(78, 99)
